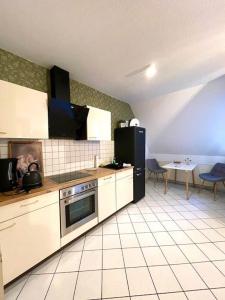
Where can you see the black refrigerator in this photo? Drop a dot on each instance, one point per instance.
(130, 148)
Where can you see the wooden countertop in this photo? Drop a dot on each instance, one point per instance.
(50, 186)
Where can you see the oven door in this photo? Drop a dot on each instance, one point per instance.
(78, 210)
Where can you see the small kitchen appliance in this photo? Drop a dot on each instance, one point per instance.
(32, 179)
(8, 174)
(134, 122)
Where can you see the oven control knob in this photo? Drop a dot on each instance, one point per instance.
(69, 192)
(64, 194)
(86, 186)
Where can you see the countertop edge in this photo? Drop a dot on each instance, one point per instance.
(50, 186)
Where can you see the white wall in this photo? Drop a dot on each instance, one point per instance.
(186, 123)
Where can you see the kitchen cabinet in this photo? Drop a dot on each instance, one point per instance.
(106, 197)
(98, 124)
(24, 112)
(124, 188)
(31, 237)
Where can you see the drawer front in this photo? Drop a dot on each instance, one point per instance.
(107, 179)
(19, 208)
(124, 174)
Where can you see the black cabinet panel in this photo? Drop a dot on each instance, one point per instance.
(139, 148)
(130, 146)
(139, 185)
(60, 84)
(124, 145)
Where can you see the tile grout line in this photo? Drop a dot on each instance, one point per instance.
(164, 257)
(53, 275)
(78, 271)
(145, 261)
(209, 260)
(135, 267)
(201, 262)
(123, 259)
(23, 285)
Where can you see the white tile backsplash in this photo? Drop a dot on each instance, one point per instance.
(61, 156)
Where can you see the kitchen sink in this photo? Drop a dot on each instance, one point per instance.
(114, 166)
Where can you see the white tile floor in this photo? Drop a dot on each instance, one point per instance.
(164, 247)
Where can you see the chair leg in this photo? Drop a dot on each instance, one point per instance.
(224, 183)
(164, 179)
(201, 186)
(214, 190)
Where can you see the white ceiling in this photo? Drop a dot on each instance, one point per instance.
(101, 41)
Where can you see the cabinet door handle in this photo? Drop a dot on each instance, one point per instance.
(107, 178)
(27, 204)
(10, 226)
(138, 174)
(3, 132)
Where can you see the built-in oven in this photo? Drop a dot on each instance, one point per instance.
(78, 205)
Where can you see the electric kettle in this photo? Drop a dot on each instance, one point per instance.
(32, 179)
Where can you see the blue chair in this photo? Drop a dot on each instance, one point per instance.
(154, 167)
(217, 174)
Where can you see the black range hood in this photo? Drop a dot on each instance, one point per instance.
(60, 84)
(66, 120)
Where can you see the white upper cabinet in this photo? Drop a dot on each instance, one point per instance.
(98, 124)
(23, 112)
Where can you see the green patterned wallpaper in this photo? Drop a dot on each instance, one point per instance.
(23, 72)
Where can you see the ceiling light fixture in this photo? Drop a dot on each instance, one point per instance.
(151, 71)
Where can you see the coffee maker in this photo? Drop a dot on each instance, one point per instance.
(8, 174)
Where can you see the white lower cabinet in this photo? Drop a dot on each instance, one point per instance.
(28, 239)
(124, 188)
(106, 197)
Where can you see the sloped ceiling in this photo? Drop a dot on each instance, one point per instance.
(100, 41)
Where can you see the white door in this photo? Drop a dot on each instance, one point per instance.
(28, 239)
(106, 197)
